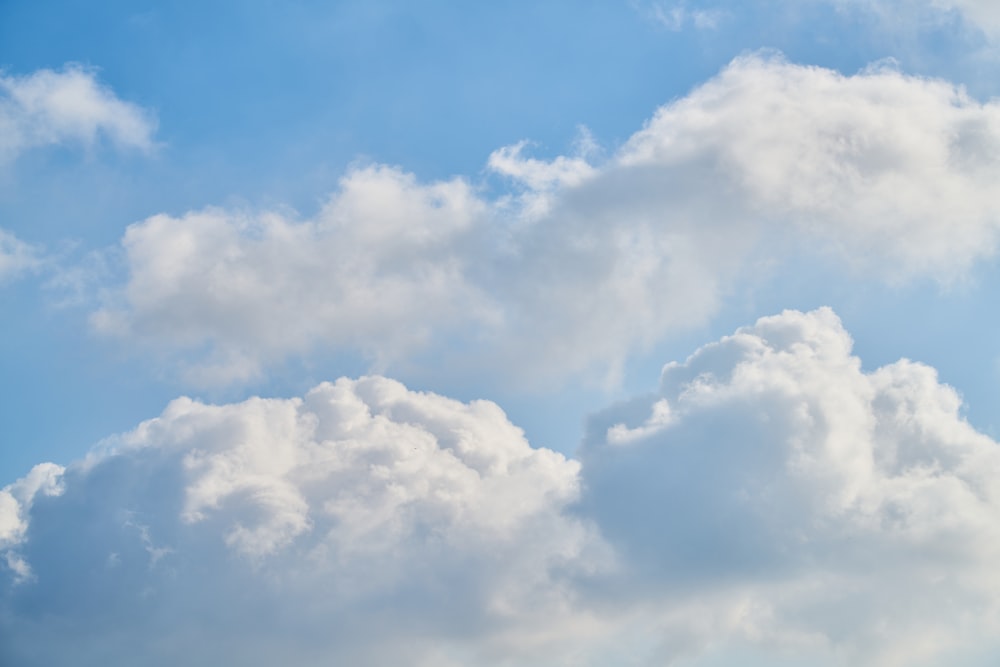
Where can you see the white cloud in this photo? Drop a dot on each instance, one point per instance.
(582, 263)
(772, 497)
(361, 524)
(984, 13)
(891, 170)
(15, 506)
(678, 16)
(49, 107)
(775, 492)
(981, 14)
(915, 31)
(384, 264)
(16, 257)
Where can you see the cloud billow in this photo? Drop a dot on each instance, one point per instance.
(362, 522)
(579, 265)
(771, 494)
(832, 506)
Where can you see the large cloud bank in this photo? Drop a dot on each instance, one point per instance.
(51, 107)
(771, 494)
(360, 524)
(580, 263)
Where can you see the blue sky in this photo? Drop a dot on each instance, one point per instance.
(507, 219)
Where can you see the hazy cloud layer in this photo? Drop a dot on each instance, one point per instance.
(981, 12)
(678, 16)
(581, 262)
(771, 494)
(982, 15)
(51, 107)
(16, 257)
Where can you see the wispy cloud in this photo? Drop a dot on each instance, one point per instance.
(770, 493)
(677, 17)
(49, 107)
(17, 257)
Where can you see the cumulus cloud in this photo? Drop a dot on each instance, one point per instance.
(785, 496)
(890, 169)
(578, 264)
(360, 524)
(15, 505)
(51, 107)
(384, 263)
(771, 496)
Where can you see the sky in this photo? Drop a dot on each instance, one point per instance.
(629, 332)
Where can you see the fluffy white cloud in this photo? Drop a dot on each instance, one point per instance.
(49, 107)
(676, 17)
(583, 263)
(384, 263)
(772, 496)
(774, 491)
(362, 524)
(892, 170)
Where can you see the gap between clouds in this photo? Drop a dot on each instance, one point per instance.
(581, 263)
(770, 494)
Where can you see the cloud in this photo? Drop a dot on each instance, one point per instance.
(16, 257)
(981, 14)
(771, 497)
(383, 265)
(579, 264)
(864, 162)
(15, 506)
(775, 492)
(51, 107)
(677, 17)
(362, 523)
